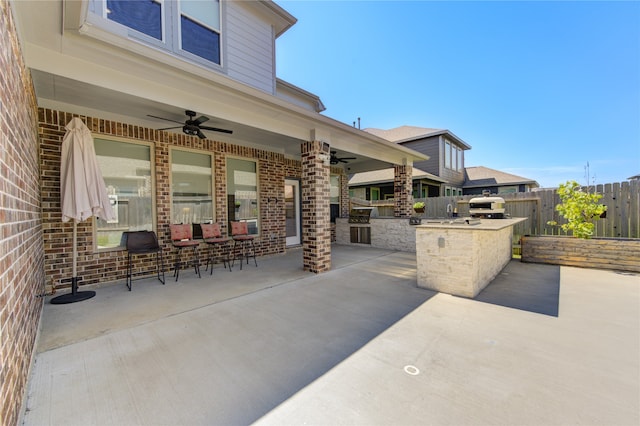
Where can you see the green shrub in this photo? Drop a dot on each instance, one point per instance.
(579, 208)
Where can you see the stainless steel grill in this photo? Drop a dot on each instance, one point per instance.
(360, 214)
(487, 207)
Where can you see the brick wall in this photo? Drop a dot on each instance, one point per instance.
(95, 267)
(21, 251)
(316, 214)
(403, 188)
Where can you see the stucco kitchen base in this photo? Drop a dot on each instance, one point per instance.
(462, 259)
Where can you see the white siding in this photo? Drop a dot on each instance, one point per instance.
(249, 47)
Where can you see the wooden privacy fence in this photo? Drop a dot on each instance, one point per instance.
(539, 207)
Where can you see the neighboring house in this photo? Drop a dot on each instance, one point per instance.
(132, 80)
(443, 174)
(378, 184)
(479, 179)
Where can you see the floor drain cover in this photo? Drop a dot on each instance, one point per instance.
(411, 370)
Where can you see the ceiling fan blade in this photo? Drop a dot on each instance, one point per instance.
(215, 129)
(201, 135)
(165, 119)
(200, 120)
(169, 128)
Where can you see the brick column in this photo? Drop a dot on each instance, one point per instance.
(316, 217)
(402, 190)
(344, 195)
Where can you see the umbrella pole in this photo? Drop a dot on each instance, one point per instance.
(75, 295)
(74, 279)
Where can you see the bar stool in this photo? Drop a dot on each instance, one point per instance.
(212, 236)
(240, 234)
(142, 242)
(181, 237)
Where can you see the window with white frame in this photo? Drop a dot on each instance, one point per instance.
(127, 172)
(200, 28)
(453, 157)
(191, 187)
(188, 28)
(447, 154)
(242, 192)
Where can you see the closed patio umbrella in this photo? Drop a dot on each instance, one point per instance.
(82, 191)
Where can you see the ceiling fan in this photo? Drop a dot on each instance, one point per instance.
(335, 160)
(192, 126)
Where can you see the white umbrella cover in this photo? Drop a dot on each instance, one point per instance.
(82, 191)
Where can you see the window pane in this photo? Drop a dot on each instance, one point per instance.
(199, 40)
(205, 11)
(335, 189)
(126, 169)
(447, 154)
(242, 192)
(191, 187)
(141, 15)
(454, 158)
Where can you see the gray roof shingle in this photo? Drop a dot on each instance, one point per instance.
(484, 176)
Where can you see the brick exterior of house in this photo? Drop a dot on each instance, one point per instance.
(96, 267)
(21, 239)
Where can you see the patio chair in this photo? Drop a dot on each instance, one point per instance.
(240, 235)
(181, 238)
(212, 236)
(142, 242)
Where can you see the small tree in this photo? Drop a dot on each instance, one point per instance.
(579, 208)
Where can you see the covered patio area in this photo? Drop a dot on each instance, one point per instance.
(360, 344)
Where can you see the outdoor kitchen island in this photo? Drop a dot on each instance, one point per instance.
(462, 256)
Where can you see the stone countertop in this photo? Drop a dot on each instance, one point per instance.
(461, 223)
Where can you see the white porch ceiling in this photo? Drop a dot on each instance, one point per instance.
(58, 92)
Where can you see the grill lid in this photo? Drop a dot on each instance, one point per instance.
(360, 214)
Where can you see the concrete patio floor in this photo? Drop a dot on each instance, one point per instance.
(361, 344)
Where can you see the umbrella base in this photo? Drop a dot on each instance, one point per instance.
(74, 296)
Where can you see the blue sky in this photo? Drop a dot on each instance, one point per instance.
(538, 89)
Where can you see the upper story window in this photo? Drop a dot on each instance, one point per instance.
(144, 16)
(453, 157)
(200, 28)
(189, 28)
(447, 154)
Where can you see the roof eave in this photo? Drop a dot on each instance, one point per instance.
(445, 132)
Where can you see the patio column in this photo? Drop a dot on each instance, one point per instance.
(402, 189)
(345, 201)
(316, 209)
